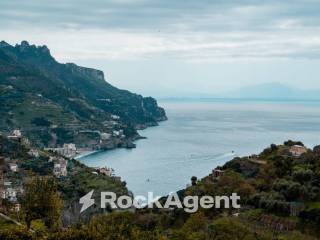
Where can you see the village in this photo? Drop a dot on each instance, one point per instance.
(12, 176)
(12, 184)
(12, 189)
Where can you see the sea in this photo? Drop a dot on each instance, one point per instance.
(203, 134)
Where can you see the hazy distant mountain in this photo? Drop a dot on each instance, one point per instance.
(273, 91)
(267, 91)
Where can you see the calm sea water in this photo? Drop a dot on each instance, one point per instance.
(201, 135)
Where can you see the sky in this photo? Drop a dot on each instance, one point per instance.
(175, 48)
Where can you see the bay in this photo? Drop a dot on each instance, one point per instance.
(203, 134)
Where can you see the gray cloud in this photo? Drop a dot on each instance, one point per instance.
(161, 14)
(184, 29)
(176, 46)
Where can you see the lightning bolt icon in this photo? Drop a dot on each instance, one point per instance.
(86, 201)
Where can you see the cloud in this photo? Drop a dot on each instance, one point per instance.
(187, 30)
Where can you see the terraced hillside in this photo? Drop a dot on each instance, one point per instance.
(51, 102)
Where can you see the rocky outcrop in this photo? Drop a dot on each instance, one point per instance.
(87, 72)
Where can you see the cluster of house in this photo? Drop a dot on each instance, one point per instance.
(107, 172)
(60, 164)
(59, 167)
(115, 133)
(9, 190)
(111, 123)
(105, 136)
(68, 150)
(118, 133)
(17, 136)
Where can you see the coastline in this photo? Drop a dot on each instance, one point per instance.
(129, 143)
(82, 154)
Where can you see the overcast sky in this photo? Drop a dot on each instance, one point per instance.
(175, 47)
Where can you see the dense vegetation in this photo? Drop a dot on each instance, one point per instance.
(280, 199)
(43, 97)
(79, 181)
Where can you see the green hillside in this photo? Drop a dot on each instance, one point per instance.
(38, 94)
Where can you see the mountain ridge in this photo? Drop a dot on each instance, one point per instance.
(79, 95)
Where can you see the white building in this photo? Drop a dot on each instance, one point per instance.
(69, 150)
(115, 117)
(115, 133)
(105, 136)
(7, 184)
(13, 167)
(34, 153)
(106, 171)
(118, 133)
(16, 134)
(11, 193)
(297, 150)
(60, 168)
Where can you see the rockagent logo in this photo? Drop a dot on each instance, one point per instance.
(190, 204)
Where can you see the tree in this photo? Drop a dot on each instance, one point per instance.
(273, 147)
(195, 228)
(295, 235)
(41, 121)
(120, 226)
(291, 143)
(227, 228)
(232, 182)
(15, 233)
(196, 222)
(292, 191)
(194, 180)
(283, 166)
(42, 201)
(302, 175)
